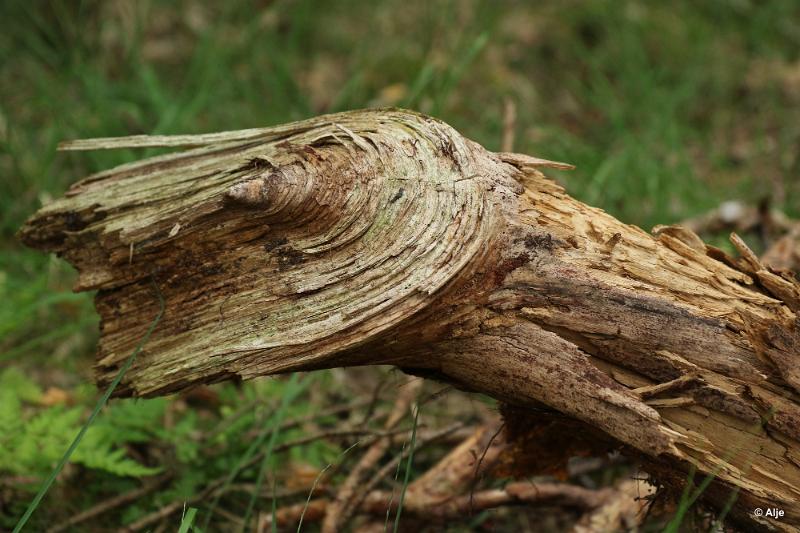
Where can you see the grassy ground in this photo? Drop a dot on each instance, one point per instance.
(667, 109)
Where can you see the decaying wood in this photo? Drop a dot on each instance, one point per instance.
(443, 494)
(341, 507)
(780, 235)
(623, 510)
(377, 503)
(385, 237)
(784, 253)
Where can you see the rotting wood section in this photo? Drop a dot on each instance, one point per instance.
(385, 237)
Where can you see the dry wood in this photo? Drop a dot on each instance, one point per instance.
(623, 510)
(784, 253)
(779, 234)
(217, 486)
(340, 508)
(377, 503)
(385, 237)
(111, 503)
(440, 495)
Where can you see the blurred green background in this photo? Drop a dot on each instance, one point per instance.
(666, 108)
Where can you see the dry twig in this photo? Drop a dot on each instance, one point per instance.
(111, 503)
(340, 509)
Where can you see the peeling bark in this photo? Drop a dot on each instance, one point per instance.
(385, 237)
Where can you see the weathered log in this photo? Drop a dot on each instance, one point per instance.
(385, 237)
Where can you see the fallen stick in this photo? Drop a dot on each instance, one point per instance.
(623, 510)
(377, 503)
(111, 503)
(340, 508)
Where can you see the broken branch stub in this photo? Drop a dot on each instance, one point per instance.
(278, 252)
(385, 237)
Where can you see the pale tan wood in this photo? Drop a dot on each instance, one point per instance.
(384, 236)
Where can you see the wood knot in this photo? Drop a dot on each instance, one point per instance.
(253, 192)
(285, 191)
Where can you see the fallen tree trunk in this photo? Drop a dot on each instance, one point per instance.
(385, 237)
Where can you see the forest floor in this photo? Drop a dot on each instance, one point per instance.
(667, 110)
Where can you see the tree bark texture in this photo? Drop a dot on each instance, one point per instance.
(385, 237)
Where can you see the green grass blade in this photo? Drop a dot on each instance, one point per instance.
(288, 397)
(689, 498)
(187, 520)
(316, 481)
(235, 472)
(274, 513)
(391, 498)
(100, 404)
(248, 454)
(728, 506)
(408, 470)
(310, 494)
(684, 504)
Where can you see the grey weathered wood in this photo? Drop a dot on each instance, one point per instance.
(385, 237)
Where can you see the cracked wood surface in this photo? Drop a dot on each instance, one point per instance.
(385, 237)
